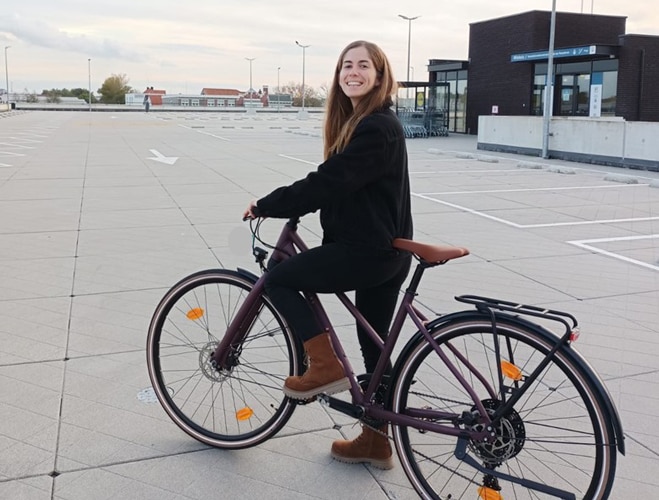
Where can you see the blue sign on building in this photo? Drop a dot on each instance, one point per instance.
(558, 53)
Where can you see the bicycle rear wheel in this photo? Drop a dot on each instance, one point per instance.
(557, 435)
(233, 408)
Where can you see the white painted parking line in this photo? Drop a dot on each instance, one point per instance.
(590, 222)
(19, 139)
(32, 135)
(588, 245)
(299, 159)
(468, 210)
(468, 171)
(14, 145)
(522, 190)
(206, 133)
(532, 226)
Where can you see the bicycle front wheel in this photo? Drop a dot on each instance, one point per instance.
(237, 407)
(557, 436)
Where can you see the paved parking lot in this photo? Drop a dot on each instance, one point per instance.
(102, 212)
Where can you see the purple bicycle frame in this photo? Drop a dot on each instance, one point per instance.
(290, 243)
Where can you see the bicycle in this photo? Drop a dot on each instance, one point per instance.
(482, 402)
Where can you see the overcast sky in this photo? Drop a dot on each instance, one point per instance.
(184, 46)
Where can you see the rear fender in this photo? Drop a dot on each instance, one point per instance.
(613, 418)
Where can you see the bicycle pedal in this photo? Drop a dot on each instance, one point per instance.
(303, 402)
(344, 407)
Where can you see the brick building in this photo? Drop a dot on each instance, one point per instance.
(599, 70)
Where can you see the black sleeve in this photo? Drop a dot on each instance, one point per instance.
(360, 163)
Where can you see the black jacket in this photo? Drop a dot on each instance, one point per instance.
(363, 193)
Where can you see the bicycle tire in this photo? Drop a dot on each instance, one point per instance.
(235, 408)
(558, 434)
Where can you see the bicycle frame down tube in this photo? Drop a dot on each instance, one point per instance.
(288, 244)
(240, 324)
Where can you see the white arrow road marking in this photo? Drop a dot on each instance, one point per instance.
(158, 156)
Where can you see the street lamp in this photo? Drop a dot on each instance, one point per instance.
(250, 59)
(7, 75)
(278, 89)
(549, 84)
(89, 74)
(592, 6)
(409, 43)
(304, 49)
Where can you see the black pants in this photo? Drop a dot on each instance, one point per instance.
(334, 267)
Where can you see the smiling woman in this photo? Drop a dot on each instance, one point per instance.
(358, 76)
(363, 194)
(363, 82)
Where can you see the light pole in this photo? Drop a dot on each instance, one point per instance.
(549, 84)
(304, 49)
(278, 89)
(592, 6)
(409, 43)
(89, 74)
(7, 76)
(250, 59)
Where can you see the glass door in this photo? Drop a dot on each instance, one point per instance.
(573, 95)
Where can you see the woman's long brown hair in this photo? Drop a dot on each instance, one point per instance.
(340, 118)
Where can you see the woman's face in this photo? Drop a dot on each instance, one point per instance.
(358, 75)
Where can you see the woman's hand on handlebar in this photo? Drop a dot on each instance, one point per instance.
(251, 211)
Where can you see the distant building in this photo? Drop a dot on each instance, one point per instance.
(223, 98)
(213, 98)
(280, 101)
(137, 99)
(155, 95)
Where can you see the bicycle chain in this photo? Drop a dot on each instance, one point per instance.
(426, 457)
(447, 400)
(421, 394)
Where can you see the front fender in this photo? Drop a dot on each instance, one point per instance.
(253, 278)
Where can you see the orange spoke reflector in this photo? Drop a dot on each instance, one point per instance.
(486, 493)
(245, 413)
(510, 370)
(195, 313)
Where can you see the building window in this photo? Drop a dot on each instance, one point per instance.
(537, 97)
(195, 102)
(456, 98)
(210, 103)
(185, 102)
(609, 93)
(572, 87)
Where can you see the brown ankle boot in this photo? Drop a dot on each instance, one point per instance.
(325, 373)
(369, 447)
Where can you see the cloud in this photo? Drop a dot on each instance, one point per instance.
(39, 33)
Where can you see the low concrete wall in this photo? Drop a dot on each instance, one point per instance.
(115, 108)
(604, 141)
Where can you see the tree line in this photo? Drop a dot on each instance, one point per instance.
(116, 86)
